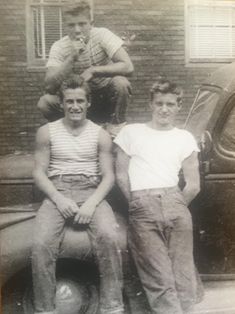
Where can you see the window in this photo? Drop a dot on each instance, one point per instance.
(227, 139)
(201, 112)
(210, 30)
(44, 27)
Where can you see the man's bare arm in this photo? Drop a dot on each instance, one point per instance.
(56, 74)
(191, 172)
(86, 211)
(122, 178)
(41, 162)
(121, 65)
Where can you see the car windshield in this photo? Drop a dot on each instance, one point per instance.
(201, 112)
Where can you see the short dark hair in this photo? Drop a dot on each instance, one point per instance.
(76, 7)
(164, 86)
(72, 82)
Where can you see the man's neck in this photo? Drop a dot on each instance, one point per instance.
(75, 127)
(160, 127)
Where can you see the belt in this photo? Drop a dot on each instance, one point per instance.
(156, 191)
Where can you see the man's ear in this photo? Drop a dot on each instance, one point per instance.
(180, 103)
(88, 104)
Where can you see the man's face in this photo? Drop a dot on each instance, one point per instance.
(75, 104)
(78, 26)
(164, 109)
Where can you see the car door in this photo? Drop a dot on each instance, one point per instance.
(215, 217)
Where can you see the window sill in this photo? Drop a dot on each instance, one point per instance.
(206, 63)
(36, 69)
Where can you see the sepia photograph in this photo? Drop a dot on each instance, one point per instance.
(117, 156)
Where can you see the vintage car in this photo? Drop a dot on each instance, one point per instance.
(211, 119)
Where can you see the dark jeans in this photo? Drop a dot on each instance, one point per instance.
(108, 104)
(161, 242)
(102, 231)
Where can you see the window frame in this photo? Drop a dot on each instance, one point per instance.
(33, 63)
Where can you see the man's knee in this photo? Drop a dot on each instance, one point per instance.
(49, 106)
(121, 84)
(43, 246)
(108, 233)
(107, 230)
(40, 246)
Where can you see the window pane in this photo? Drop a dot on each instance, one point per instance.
(52, 26)
(47, 29)
(228, 134)
(211, 29)
(44, 27)
(202, 111)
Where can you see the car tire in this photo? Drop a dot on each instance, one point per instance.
(77, 290)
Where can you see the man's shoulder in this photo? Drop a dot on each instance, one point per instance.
(99, 30)
(183, 133)
(101, 33)
(134, 127)
(93, 124)
(131, 130)
(42, 134)
(44, 128)
(61, 43)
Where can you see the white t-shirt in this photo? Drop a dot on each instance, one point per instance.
(156, 155)
(99, 50)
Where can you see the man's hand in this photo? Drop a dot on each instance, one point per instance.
(88, 74)
(67, 207)
(85, 213)
(78, 46)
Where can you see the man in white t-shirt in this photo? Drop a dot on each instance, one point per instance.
(149, 158)
(98, 56)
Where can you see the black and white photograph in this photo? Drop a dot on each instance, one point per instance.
(117, 157)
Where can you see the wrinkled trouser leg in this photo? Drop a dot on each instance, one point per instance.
(119, 92)
(48, 233)
(161, 244)
(103, 232)
(109, 103)
(181, 253)
(50, 107)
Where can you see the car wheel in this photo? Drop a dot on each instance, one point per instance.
(76, 290)
(72, 297)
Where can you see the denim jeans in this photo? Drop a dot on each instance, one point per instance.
(102, 231)
(161, 242)
(108, 104)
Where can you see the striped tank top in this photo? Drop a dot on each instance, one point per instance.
(73, 154)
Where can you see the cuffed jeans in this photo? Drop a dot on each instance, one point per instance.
(102, 231)
(108, 104)
(161, 242)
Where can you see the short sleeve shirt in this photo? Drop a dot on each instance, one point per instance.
(156, 156)
(101, 47)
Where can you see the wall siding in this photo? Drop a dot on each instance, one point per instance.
(158, 48)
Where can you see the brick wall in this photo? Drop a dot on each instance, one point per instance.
(157, 30)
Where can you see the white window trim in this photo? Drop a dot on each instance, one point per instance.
(198, 62)
(33, 63)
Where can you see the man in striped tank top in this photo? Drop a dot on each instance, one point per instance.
(98, 56)
(73, 167)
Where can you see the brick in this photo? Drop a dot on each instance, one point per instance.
(158, 48)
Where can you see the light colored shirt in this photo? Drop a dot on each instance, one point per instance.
(156, 156)
(71, 154)
(99, 50)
